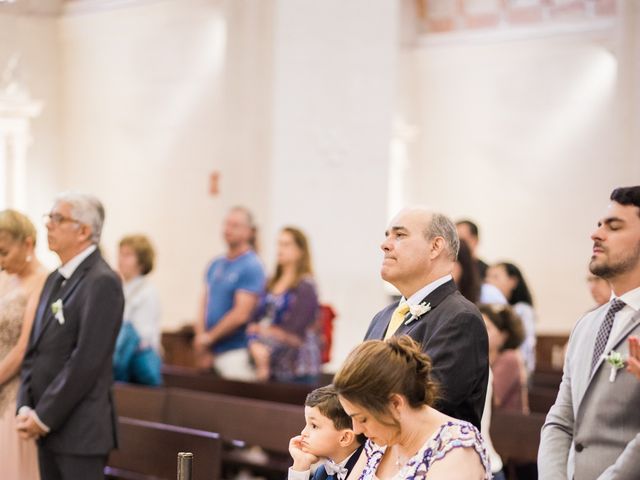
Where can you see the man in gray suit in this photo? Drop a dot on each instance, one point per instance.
(593, 429)
(65, 398)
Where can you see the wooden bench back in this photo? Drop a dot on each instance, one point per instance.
(516, 436)
(150, 450)
(269, 425)
(192, 379)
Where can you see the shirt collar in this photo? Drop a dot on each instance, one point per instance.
(68, 268)
(421, 294)
(631, 298)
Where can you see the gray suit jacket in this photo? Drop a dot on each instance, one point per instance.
(67, 371)
(593, 429)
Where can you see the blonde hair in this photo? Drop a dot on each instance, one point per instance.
(17, 225)
(142, 249)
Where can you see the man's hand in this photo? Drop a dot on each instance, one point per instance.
(28, 428)
(633, 362)
(302, 460)
(201, 341)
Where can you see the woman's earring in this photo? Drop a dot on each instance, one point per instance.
(29, 258)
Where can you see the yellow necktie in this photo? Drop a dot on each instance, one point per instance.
(396, 319)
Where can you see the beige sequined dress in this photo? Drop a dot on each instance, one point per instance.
(18, 457)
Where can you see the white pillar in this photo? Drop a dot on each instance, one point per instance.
(334, 69)
(16, 111)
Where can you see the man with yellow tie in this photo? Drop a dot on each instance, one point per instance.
(420, 250)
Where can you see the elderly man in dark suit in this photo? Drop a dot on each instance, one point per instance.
(65, 398)
(419, 253)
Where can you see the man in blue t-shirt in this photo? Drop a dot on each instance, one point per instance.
(233, 284)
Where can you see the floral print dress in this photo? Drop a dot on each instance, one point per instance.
(451, 435)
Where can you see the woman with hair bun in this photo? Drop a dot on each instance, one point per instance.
(387, 390)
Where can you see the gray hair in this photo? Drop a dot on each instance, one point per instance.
(442, 226)
(87, 210)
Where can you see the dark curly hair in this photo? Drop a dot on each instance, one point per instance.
(507, 321)
(520, 292)
(627, 196)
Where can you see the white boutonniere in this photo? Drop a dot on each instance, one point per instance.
(416, 311)
(615, 360)
(56, 308)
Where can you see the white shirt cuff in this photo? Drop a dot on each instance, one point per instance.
(296, 475)
(25, 410)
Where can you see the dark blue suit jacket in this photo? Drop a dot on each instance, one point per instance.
(453, 334)
(67, 371)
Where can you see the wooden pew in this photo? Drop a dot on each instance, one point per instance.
(142, 403)
(516, 437)
(549, 349)
(177, 346)
(546, 379)
(239, 421)
(541, 399)
(193, 379)
(149, 450)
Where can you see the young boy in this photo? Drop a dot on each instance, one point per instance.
(328, 434)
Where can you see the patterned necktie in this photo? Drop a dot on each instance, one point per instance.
(396, 319)
(333, 468)
(605, 329)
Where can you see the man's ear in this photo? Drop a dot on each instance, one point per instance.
(437, 246)
(347, 437)
(85, 231)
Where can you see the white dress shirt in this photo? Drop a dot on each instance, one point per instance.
(142, 309)
(622, 318)
(72, 265)
(421, 294)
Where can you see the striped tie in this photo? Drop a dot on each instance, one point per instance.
(396, 319)
(605, 329)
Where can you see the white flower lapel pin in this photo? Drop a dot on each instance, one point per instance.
(615, 360)
(56, 308)
(416, 311)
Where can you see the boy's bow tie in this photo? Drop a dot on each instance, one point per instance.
(333, 468)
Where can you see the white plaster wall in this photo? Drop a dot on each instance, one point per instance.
(333, 98)
(525, 137)
(157, 95)
(36, 39)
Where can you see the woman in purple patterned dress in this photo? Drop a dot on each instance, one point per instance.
(386, 388)
(282, 338)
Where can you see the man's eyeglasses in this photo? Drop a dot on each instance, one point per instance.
(58, 219)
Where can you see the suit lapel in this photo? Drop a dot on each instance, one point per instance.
(353, 460)
(43, 306)
(434, 299)
(66, 290)
(632, 323)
